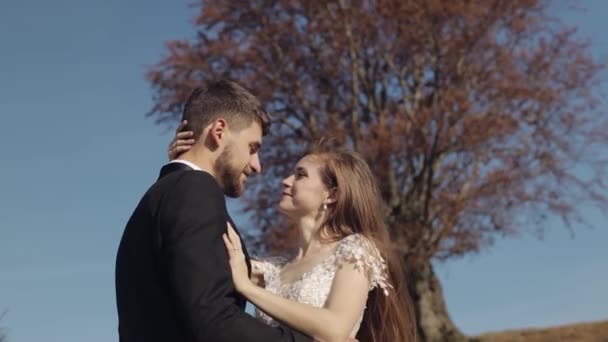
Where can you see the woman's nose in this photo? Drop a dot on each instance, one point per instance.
(287, 181)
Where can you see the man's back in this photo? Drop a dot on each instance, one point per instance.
(145, 309)
(144, 294)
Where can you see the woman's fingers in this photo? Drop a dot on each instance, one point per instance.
(234, 238)
(228, 244)
(182, 139)
(181, 148)
(184, 136)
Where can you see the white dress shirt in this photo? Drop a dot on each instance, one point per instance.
(192, 165)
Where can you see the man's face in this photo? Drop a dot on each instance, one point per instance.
(239, 160)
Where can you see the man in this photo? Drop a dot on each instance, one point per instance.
(173, 280)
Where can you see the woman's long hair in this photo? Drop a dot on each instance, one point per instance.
(359, 210)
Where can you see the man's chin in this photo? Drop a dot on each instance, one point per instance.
(235, 191)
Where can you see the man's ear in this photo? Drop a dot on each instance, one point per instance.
(218, 131)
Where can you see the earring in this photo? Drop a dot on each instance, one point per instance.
(324, 206)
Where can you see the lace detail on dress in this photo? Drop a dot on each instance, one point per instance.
(313, 287)
(270, 265)
(361, 252)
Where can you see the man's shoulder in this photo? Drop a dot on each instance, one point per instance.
(194, 177)
(188, 181)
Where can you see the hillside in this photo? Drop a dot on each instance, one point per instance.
(580, 332)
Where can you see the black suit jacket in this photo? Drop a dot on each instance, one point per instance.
(173, 280)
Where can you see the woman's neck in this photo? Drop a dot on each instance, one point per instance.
(308, 240)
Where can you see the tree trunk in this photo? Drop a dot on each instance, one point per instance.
(434, 322)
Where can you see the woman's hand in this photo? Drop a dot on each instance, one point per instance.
(181, 143)
(238, 265)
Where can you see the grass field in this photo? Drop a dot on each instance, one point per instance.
(580, 332)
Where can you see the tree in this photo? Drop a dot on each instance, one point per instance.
(479, 118)
(3, 336)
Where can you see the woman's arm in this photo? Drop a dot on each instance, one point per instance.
(333, 322)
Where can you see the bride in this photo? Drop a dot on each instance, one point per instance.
(343, 279)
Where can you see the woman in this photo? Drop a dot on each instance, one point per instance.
(343, 280)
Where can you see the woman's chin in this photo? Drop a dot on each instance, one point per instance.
(285, 210)
(281, 209)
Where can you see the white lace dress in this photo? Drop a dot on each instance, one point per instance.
(313, 287)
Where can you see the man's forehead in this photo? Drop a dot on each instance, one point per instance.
(252, 128)
(253, 133)
(247, 137)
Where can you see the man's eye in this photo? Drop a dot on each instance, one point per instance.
(254, 148)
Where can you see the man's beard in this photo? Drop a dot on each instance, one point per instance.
(228, 175)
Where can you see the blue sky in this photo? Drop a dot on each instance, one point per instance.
(77, 153)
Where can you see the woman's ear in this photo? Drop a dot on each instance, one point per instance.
(332, 197)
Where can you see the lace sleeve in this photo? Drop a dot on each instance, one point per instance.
(357, 250)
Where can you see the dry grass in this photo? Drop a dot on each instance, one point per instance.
(580, 332)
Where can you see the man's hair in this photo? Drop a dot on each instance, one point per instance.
(225, 99)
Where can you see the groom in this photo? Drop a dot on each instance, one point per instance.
(173, 280)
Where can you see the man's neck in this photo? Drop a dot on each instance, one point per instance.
(201, 161)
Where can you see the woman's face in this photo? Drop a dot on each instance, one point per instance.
(303, 192)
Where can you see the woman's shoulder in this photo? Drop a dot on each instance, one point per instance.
(357, 244)
(362, 252)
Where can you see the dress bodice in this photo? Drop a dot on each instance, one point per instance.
(314, 286)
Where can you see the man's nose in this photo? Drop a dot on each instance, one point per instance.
(255, 164)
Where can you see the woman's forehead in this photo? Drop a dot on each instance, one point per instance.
(310, 160)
